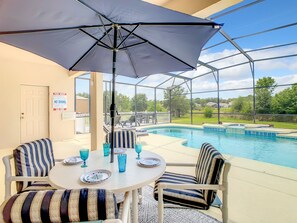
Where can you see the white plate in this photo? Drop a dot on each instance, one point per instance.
(149, 162)
(119, 150)
(72, 160)
(96, 176)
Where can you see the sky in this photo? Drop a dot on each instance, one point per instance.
(265, 15)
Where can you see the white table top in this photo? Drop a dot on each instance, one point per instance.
(68, 176)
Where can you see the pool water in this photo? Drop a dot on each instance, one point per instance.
(273, 150)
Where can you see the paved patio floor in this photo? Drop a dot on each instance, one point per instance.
(258, 192)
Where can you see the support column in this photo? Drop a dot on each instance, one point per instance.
(252, 65)
(170, 108)
(219, 106)
(191, 101)
(155, 106)
(96, 108)
(135, 105)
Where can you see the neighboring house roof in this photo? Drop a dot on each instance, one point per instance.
(211, 104)
(224, 105)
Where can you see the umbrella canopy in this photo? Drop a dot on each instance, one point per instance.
(130, 38)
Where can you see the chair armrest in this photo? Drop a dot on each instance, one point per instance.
(22, 178)
(181, 164)
(191, 186)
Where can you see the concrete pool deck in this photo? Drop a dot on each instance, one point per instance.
(258, 192)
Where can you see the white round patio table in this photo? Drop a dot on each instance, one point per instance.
(68, 176)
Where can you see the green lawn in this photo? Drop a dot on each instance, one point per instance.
(200, 119)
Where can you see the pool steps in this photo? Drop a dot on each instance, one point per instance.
(243, 129)
(252, 130)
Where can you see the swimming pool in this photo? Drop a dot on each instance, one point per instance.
(271, 149)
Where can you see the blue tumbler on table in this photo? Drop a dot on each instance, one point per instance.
(122, 159)
(106, 149)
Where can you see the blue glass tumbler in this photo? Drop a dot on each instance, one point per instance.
(122, 159)
(106, 149)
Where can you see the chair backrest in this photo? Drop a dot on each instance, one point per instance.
(35, 158)
(106, 129)
(117, 120)
(208, 169)
(123, 139)
(60, 206)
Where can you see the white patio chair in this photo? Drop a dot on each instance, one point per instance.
(197, 191)
(123, 139)
(32, 163)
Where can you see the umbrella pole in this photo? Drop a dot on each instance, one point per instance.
(113, 106)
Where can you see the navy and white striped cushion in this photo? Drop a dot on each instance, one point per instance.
(208, 169)
(122, 139)
(59, 206)
(38, 185)
(188, 198)
(33, 159)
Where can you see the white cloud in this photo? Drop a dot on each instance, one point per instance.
(241, 72)
(284, 71)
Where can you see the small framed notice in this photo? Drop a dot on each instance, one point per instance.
(59, 101)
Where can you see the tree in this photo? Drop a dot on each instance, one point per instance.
(242, 105)
(122, 101)
(265, 87)
(285, 102)
(180, 105)
(141, 103)
(237, 104)
(159, 106)
(207, 112)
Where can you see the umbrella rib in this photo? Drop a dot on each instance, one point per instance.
(89, 50)
(94, 10)
(162, 50)
(50, 29)
(104, 46)
(213, 24)
(100, 17)
(125, 47)
(130, 33)
(83, 56)
(129, 56)
(99, 40)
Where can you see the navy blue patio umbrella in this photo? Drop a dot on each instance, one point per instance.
(131, 38)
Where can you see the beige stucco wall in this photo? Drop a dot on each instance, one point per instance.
(18, 67)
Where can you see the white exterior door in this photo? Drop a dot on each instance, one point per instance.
(34, 113)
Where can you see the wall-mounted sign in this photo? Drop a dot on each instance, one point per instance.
(59, 101)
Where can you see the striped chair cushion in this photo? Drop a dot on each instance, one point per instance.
(33, 159)
(59, 206)
(122, 139)
(35, 186)
(189, 198)
(208, 169)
